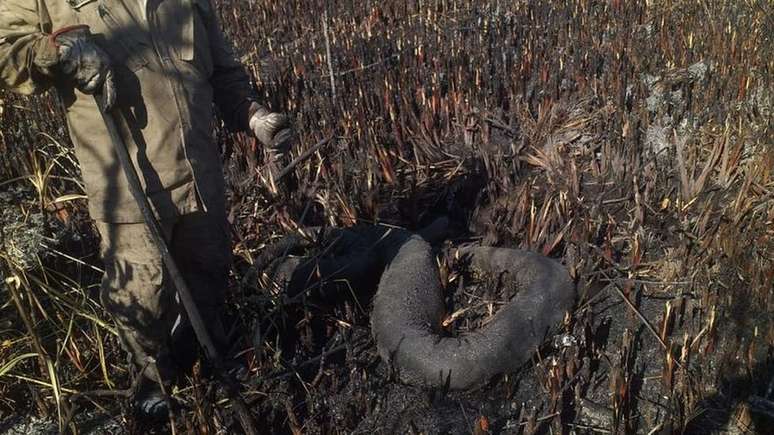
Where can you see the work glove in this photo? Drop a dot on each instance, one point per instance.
(272, 129)
(83, 62)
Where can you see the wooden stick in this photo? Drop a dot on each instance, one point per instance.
(305, 155)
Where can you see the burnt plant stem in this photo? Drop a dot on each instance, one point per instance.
(44, 360)
(25, 317)
(329, 57)
(642, 318)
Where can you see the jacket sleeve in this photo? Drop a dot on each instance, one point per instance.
(25, 51)
(234, 94)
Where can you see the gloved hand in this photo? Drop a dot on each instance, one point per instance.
(272, 129)
(85, 63)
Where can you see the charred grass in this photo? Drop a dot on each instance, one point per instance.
(630, 140)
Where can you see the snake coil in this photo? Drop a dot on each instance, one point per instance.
(409, 307)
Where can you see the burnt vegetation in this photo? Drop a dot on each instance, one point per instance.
(630, 140)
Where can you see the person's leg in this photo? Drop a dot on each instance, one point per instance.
(134, 292)
(201, 246)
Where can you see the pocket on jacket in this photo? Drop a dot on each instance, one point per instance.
(175, 22)
(185, 24)
(190, 17)
(121, 37)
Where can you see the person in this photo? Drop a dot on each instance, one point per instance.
(160, 65)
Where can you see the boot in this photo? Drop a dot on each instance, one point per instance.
(150, 404)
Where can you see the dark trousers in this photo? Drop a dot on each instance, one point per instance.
(138, 293)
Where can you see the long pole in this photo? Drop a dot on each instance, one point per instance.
(157, 235)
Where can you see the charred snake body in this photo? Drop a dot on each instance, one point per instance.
(409, 306)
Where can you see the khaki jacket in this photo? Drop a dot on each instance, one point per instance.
(171, 62)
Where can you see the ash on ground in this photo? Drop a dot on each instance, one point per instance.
(26, 233)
